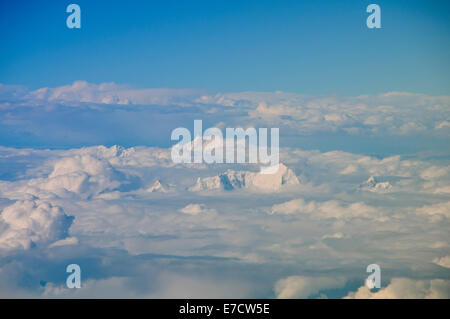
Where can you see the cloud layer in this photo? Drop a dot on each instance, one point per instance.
(141, 226)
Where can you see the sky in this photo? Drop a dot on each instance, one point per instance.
(310, 47)
(87, 175)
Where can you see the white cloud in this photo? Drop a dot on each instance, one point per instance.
(111, 93)
(438, 244)
(197, 209)
(404, 288)
(442, 125)
(167, 285)
(83, 175)
(434, 172)
(137, 201)
(303, 287)
(399, 114)
(436, 211)
(65, 242)
(327, 209)
(443, 261)
(27, 223)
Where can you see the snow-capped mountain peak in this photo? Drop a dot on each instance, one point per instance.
(372, 185)
(257, 181)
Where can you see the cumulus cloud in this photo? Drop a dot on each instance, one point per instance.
(404, 288)
(443, 124)
(167, 285)
(83, 175)
(304, 287)
(28, 223)
(443, 261)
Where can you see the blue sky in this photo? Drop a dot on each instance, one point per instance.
(313, 47)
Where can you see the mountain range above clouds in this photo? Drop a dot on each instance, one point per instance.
(333, 206)
(231, 180)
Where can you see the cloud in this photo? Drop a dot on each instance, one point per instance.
(443, 261)
(395, 114)
(443, 124)
(436, 211)
(402, 115)
(404, 288)
(9, 92)
(167, 285)
(324, 220)
(82, 175)
(328, 209)
(28, 223)
(434, 172)
(111, 93)
(197, 209)
(303, 287)
(321, 212)
(65, 242)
